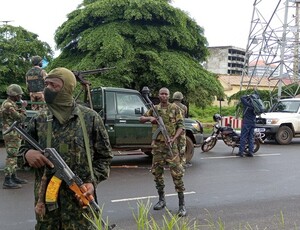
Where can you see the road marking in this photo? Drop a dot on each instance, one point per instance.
(149, 197)
(229, 157)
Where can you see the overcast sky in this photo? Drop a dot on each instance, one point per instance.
(224, 22)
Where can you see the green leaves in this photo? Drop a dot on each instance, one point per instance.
(17, 46)
(148, 41)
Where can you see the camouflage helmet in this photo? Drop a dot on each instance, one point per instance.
(177, 96)
(36, 60)
(14, 90)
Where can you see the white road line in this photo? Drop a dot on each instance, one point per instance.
(148, 197)
(229, 157)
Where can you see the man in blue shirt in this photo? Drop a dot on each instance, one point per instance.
(247, 133)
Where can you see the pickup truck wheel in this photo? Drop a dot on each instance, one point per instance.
(189, 153)
(284, 135)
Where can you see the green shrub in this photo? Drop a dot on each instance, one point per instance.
(205, 115)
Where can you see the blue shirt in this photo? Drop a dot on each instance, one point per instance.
(249, 116)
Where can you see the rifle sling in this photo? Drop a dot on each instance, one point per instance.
(87, 145)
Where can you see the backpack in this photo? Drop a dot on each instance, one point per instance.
(258, 105)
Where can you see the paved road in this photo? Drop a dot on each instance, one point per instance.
(236, 190)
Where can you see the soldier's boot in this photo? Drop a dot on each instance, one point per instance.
(9, 184)
(182, 210)
(18, 180)
(161, 202)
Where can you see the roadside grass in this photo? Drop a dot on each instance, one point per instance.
(145, 221)
(205, 116)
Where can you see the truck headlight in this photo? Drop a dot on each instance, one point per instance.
(271, 121)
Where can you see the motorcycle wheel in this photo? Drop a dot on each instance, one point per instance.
(206, 146)
(256, 146)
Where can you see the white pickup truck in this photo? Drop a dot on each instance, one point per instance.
(282, 122)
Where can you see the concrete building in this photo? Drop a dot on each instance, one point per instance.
(225, 60)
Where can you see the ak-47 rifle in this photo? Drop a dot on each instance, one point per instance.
(85, 83)
(161, 125)
(62, 172)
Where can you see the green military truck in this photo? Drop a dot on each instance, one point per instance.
(121, 110)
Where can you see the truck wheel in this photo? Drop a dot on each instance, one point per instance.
(284, 135)
(189, 152)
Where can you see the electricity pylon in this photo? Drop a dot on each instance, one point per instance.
(273, 40)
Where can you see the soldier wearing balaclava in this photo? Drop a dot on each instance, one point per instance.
(61, 103)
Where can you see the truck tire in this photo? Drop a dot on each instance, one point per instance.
(284, 135)
(189, 153)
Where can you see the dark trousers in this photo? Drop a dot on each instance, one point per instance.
(247, 136)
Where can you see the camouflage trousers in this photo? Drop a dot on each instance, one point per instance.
(68, 215)
(37, 97)
(160, 159)
(182, 147)
(12, 145)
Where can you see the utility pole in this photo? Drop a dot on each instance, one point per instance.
(273, 40)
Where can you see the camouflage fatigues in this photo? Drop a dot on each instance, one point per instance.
(172, 118)
(10, 112)
(35, 80)
(182, 138)
(68, 140)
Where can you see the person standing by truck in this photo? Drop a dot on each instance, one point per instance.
(11, 112)
(248, 125)
(173, 120)
(79, 136)
(35, 82)
(177, 100)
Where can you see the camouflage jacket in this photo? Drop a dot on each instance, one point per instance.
(68, 140)
(35, 79)
(10, 112)
(171, 116)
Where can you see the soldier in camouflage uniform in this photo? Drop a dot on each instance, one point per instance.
(177, 100)
(10, 112)
(173, 120)
(35, 82)
(67, 137)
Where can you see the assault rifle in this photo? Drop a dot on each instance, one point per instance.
(62, 172)
(161, 125)
(85, 83)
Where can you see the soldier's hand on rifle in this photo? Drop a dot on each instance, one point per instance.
(36, 159)
(87, 190)
(153, 120)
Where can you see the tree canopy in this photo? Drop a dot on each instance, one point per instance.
(17, 46)
(149, 42)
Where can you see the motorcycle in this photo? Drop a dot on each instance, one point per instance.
(230, 137)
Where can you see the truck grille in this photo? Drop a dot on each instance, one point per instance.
(261, 121)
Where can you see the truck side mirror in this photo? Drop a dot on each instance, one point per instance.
(139, 111)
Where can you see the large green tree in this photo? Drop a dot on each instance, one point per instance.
(17, 46)
(149, 42)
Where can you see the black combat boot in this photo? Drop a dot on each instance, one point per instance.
(9, 184)
(182, 211)
(18, 180)
(161, 202)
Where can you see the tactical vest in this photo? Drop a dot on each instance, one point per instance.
(35, 80)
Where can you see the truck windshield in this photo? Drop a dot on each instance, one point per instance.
(286, 106)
